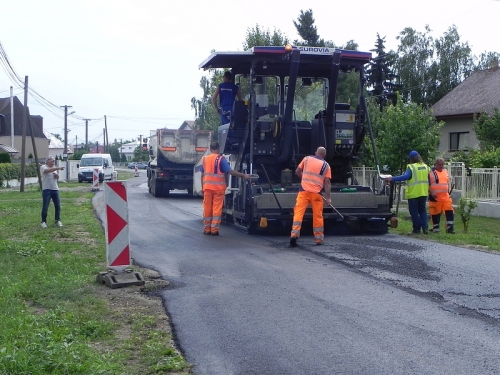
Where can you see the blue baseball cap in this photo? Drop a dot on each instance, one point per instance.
(413, 153)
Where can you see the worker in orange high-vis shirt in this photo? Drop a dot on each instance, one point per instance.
(315, 175)
(439, 197)
(214, 168)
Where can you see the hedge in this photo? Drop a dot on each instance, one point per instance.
(9, 171)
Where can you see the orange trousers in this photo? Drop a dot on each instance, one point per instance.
(436, 208)
(213, 201)
(304, 199)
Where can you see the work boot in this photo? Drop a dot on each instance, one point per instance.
(425, 231)
(320, 243)
(293, 241)
(215, 233)
(450, 230)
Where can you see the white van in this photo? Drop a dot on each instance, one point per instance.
(89, 162)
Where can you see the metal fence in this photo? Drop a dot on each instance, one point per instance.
(475, 183)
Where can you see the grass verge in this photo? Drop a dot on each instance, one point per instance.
(54, 317)
(483, 232)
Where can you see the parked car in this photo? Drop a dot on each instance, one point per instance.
(140, 165)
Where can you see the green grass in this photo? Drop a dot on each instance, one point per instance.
(52, 321)
(483, 232)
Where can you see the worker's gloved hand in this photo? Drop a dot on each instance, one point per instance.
(328, 201)
(246, 177)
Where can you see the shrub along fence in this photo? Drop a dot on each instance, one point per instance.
(9, 171)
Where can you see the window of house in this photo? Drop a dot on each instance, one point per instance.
(459, 141)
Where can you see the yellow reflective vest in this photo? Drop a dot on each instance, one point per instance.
(418, 184)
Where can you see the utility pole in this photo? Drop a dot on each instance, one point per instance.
(12, 116)
(23, 147)
(106, 132)
(65, 152)
(104, 140)
(87, 134)
(32, 131)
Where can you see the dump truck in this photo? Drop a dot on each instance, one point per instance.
(293, 105)
(173, 154)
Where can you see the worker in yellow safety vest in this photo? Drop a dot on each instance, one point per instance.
(417, 189)
(439, 197)
(213, 168)
(315, 175)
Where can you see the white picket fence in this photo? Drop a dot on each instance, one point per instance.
(482, 184)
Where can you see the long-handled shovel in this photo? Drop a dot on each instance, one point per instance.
(351, 221)
(272, 189)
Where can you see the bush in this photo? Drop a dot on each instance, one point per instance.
(485, 159)
(4, 157)
(10, 171)
(465, 208)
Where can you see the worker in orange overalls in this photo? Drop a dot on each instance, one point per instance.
(214, 167)
(439, 197)
(315, 175)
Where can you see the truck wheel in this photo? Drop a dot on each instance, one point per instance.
(166, 189)
(157, 189)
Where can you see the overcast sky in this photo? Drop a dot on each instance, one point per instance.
(137, 61)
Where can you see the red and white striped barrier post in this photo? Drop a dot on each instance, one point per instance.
(95, 179)
(117, 239)
(136, 170)
(117, 230)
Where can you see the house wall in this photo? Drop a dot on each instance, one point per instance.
(456, 125)
(42, 146)
(128, 150)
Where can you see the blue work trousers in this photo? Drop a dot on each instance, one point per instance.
(225, 115)
(47, 196)
(418, 212)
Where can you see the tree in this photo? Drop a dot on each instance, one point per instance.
(487, 60)
(207, 117)
(140, 155)
(487, 129)
(412, 66)
(454, 62)
(380, 75)
(58, 136)
(114, 151)
(308, 31)
(263, 37)
(404, 127)
(77, 155)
